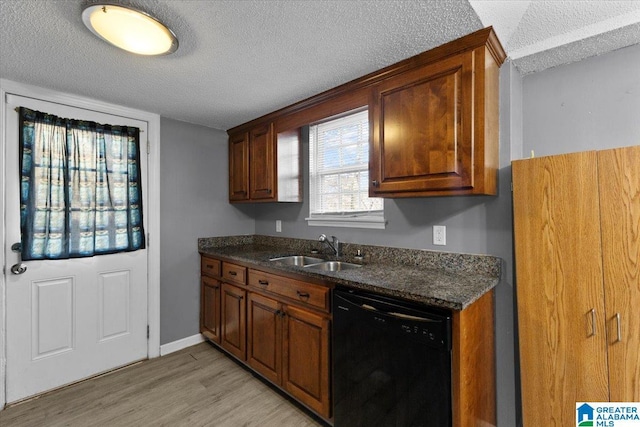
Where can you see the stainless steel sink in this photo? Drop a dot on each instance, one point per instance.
(332, 266)
(297, 260)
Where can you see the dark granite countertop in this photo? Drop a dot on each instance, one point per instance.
(441, 279)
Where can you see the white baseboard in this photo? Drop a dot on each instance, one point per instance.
(180, 344)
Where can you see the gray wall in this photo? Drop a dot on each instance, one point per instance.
(193, 203)
(479, 225)
(588, 105)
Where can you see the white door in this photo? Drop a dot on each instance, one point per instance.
(68, 319)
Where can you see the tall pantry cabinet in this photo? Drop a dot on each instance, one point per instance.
(577, 257)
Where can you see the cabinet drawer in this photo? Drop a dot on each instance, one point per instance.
(302, 292)
(210, 266)
(234, 273)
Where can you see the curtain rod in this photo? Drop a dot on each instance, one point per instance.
(17, 110)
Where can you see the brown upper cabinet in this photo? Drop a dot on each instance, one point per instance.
(435, 129)
(239, 167)
(433, 125)
(265, 166)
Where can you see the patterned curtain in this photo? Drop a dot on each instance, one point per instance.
(81, 190)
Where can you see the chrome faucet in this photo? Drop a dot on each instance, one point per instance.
(335, 244)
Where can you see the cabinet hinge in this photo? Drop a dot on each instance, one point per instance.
(148, 147)
(148, 333)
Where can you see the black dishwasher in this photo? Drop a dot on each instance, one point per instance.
(391, 362)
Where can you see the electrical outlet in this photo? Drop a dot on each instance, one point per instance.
(439, 235)
(278, 226)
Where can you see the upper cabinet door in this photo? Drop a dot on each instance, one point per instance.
(422, 129)
(262, 165)
(239, 167)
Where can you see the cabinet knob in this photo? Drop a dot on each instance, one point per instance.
(233, 273)
(375, 183)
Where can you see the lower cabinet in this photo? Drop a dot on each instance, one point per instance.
(264, 336)
(280, 327)
(305, 356)
(233, 320)
(210, 308)
(290, 347)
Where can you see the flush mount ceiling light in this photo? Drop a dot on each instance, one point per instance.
(129, 29)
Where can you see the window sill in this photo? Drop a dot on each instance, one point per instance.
(372, 222)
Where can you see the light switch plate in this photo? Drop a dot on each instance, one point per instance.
(278, 226)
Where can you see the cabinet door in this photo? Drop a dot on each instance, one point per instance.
(233, 321)
(560, 295)
(619, 178)
(239, 167)
(264, 336)
(210, 308)
(262, 164)
(306, 358)
(422, 129)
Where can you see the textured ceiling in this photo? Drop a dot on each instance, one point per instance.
(238, 60)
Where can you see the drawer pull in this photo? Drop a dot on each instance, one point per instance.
(209, 266)
(233, 273)
(238, 297)
(303, 294)
(263, 282)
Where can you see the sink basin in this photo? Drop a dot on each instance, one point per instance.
(332, 266)
(297, 260)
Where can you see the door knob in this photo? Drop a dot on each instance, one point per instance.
(18, 268)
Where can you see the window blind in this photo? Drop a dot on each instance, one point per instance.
(339, 167)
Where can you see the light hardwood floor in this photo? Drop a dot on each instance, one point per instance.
(197, 386)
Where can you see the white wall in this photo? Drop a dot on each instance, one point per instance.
(193, 203)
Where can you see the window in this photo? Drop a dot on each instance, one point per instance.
(339, 174)
(81, 189)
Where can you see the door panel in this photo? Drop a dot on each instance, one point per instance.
(560, 294)
(68, 319)
(114, 290)
(305, 365)
(422, 129)
(619, 176)
(264, 336)
(52, 313)
(233, 323)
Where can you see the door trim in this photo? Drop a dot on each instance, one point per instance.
(151, 211)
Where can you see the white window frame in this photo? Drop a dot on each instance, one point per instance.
(364, 219)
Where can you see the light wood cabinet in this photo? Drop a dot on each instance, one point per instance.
(577, 247)
(434, 128)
